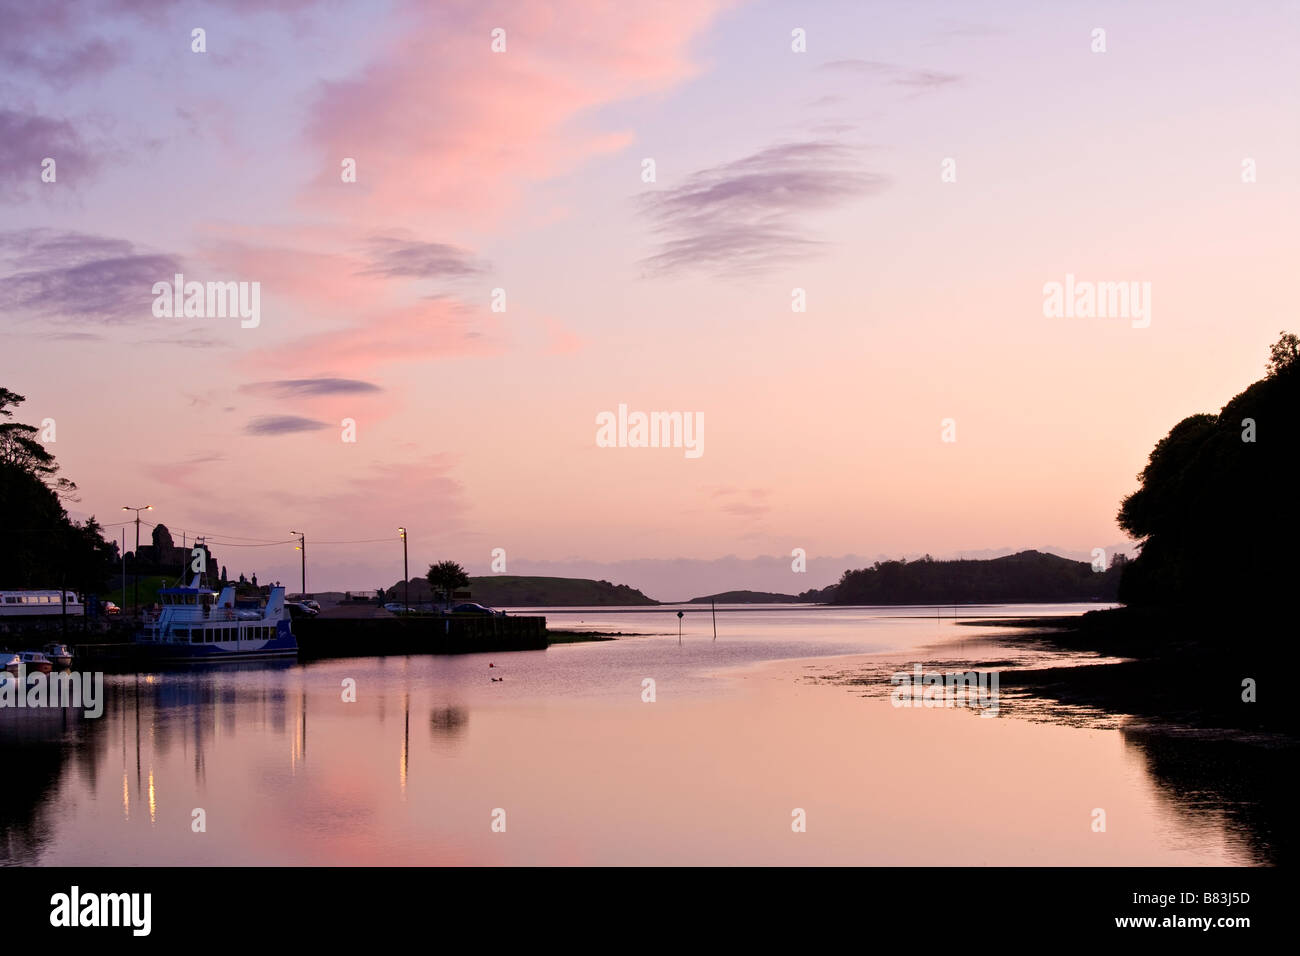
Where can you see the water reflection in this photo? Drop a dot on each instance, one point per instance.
(449, 721)
(590, 773)
(1225, 784)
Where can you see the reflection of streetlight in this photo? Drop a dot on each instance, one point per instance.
(302, 546)
(406, 574)
(137, 551)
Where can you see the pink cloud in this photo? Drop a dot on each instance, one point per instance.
(439, 123)
(560, 339)
(295, 271)
(432, 328)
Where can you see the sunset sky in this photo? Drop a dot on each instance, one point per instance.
(522, 170)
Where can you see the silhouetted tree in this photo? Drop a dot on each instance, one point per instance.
(1283, 353)
(446, 577)
(20, 448)
(1216, 507)
(40, 546)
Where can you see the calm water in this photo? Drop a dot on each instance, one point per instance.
(743, 731)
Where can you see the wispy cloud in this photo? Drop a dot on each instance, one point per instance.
(26, 139)
(746, 216)
(433, 328)
(743, 502)
(53, 42)
(282, 425)
(310, 387)
(435, 147)
(404, 258)
(919, 80)
(74, 276)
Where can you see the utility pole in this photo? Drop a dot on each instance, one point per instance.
(406, 574)
(137, 553)
(302, 546)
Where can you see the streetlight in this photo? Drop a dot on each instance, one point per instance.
(406, 574)
(137, 551)
(302, 546)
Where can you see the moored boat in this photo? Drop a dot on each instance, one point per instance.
(11, 661)
(60, 654)
(48, 602)
(198, 624)
(35, 661)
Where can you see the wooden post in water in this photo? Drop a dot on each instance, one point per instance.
(713, 606)
(680, 615)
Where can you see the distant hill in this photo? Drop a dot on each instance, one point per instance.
(506, 590)
(1028, 577)
(747, 597)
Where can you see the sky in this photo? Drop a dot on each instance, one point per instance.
(626, 204)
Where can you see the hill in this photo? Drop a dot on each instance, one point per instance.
(507, 590)
(747, 597)
(1026, 577)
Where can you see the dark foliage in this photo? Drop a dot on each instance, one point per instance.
(1216, 512)
(1024, 577)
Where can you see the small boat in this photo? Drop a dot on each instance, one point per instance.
(11, 661)
(35, 661)
(60, 654)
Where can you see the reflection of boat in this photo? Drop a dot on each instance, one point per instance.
(35, 661)
(59, 654)
(198, 624)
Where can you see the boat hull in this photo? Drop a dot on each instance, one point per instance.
(283, 644)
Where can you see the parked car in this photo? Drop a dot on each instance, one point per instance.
(472, 608)
(314, 605)
(111, 608)
(395, 607)
(298, 610)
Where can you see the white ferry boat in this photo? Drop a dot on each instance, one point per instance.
(199, 624)
(46, 602)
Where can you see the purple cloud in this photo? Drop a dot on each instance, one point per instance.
(70, 276)
(282, 425)
(26, 139)
(403, 258)
(744, 217)
(310, 387)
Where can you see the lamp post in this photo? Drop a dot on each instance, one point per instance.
(137, 552)
(302, 546)
(406, 574)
